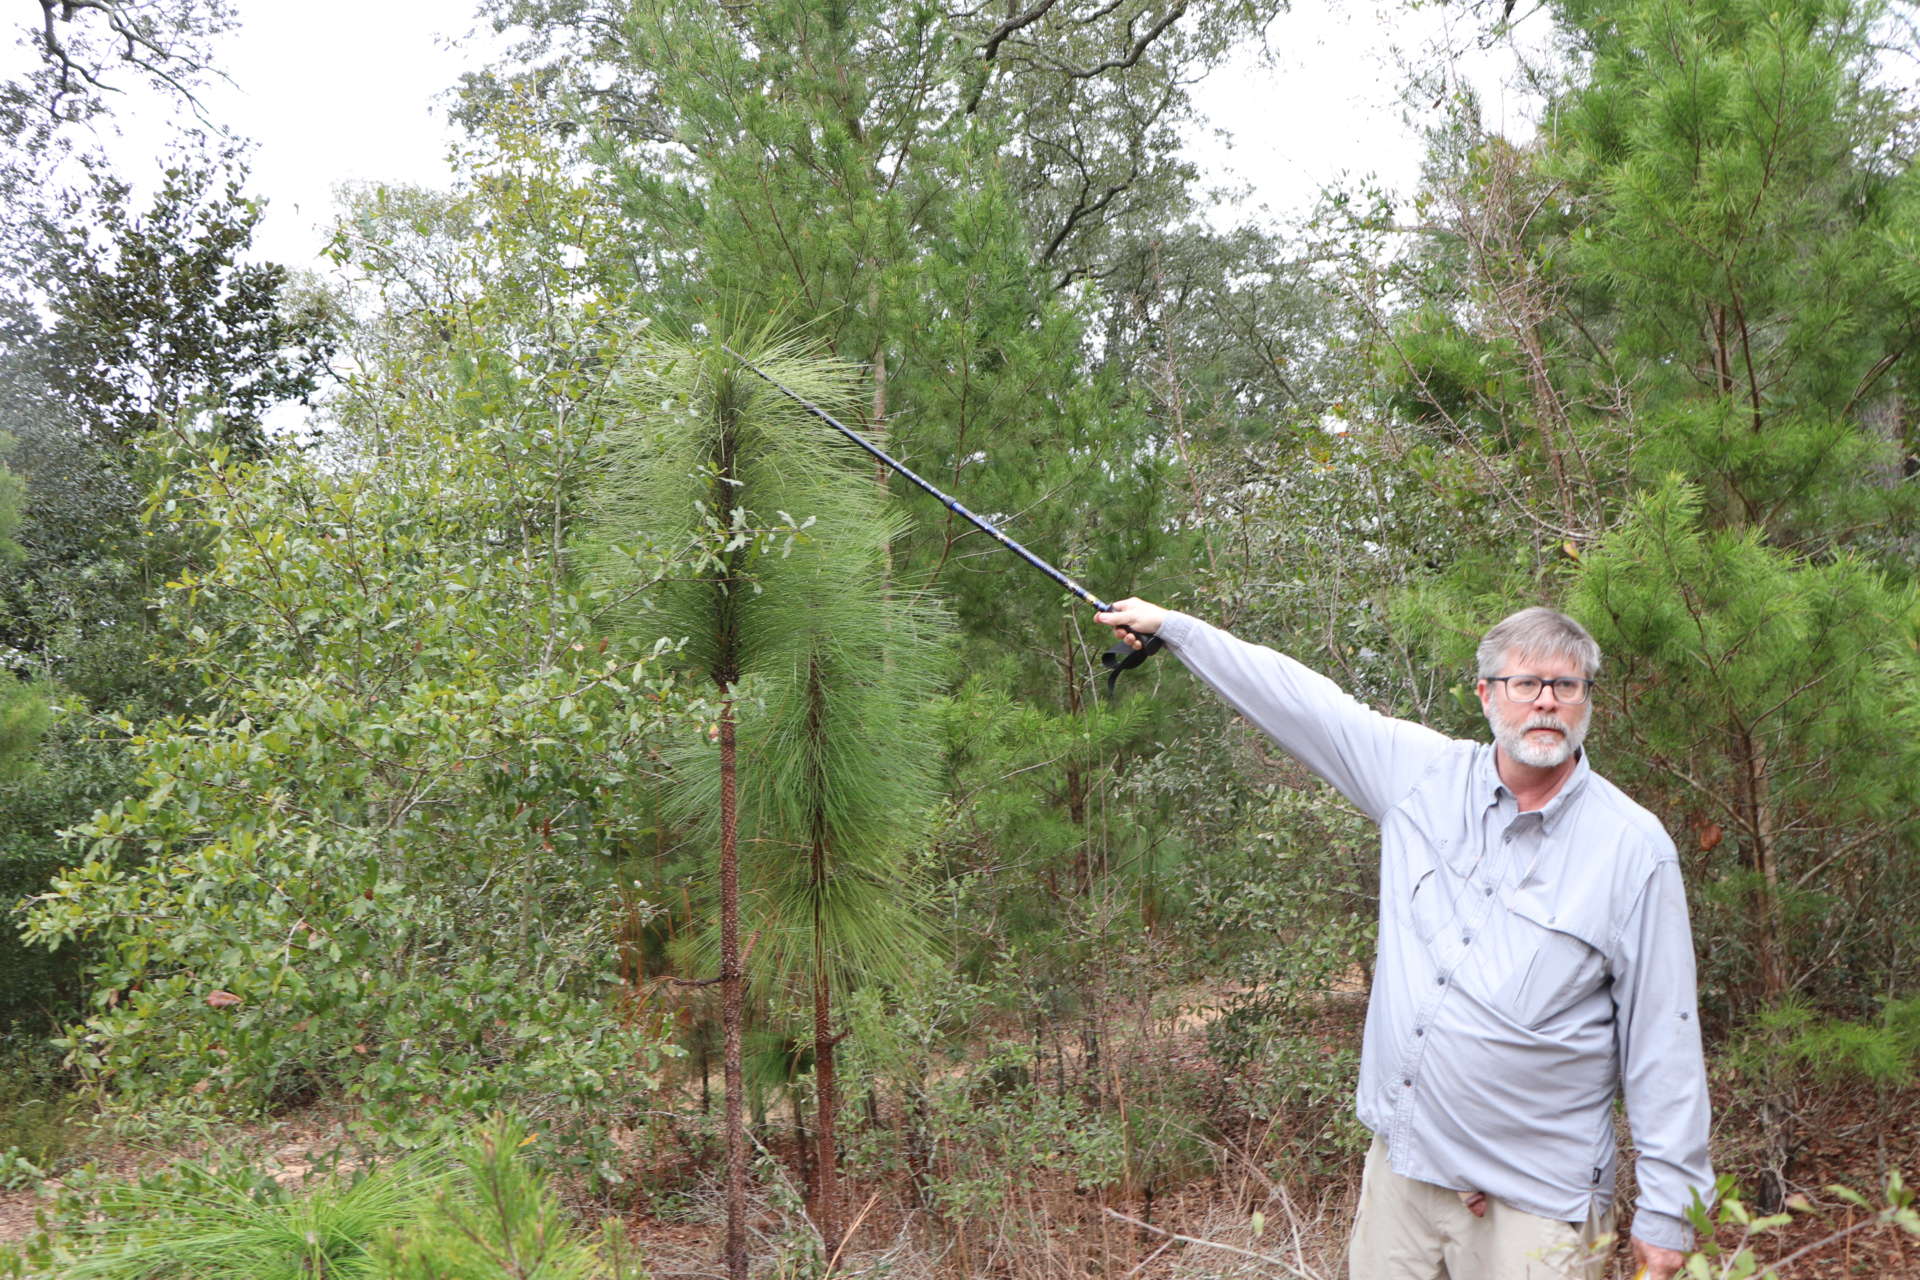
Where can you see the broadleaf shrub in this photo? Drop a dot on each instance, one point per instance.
(393, 859)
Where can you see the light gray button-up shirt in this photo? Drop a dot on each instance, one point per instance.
(1530, 965)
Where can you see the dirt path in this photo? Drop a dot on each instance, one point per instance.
(17, 1209)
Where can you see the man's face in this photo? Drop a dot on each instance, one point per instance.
(1542, 733)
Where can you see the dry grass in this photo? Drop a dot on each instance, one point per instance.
(1234, 1221)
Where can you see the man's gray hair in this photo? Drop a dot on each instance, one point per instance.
(1538, 633)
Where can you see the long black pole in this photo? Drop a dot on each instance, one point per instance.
(1116, 660)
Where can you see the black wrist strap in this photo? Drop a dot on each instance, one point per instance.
(1124, 657)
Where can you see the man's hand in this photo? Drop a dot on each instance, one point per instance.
(1655, 1263)
(1132, 619)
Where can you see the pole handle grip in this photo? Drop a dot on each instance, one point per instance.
(1124, 657)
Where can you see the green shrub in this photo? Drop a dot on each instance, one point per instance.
(391, 858)
(993, 1129)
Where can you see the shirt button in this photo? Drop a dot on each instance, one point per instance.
(1440, 981)
(1508, 838)
(1488, 891)
(1408, 1083)
(1420, 1031)
(1466, 939)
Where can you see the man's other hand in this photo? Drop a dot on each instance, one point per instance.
(1655, 1263)
(1132, 619)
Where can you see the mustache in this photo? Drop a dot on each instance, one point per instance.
(1543, 722)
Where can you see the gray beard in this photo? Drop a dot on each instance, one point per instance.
(1513, 740)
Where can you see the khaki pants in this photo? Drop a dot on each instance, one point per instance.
(1408, 1230)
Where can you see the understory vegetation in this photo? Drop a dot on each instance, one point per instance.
(561, 812)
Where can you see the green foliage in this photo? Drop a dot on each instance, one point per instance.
(794, 611)
(993, 745)
(116, 321)
(10, 494)
(155, 318)
(708, 462)
(390, 859)
(40, 1122)
(1291, 923)
(462, 1209)
(493, 1217)
(1883, 1051)
(226, 1223)
(791, 168)
(1776, 700)
(1717, 1258)
(24, 717)
(995, 1128)
(79, 765)
(832, 665)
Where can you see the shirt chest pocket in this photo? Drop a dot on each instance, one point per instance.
(1550, 969)
(1426, 913)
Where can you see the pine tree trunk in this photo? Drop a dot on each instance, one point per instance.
(1075, 768)
(827, 1161)
(1766, 861)
(1075, 780)
(879, 363)
(1763, 857)
(916, 1143)
(802, 1142)
(732, 998)
(826, 1210)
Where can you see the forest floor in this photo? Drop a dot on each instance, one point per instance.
(1205, 1226)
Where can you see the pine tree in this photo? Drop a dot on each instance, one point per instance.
(1668, 347)
(840, 763)
(789, 614)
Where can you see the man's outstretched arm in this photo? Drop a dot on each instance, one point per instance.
(1372, 759)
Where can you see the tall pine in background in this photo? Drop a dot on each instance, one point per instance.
(1666, 343)
(931, 196)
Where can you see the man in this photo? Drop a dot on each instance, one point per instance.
(1534, 960)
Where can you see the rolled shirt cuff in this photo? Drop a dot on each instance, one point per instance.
(1663, 1229)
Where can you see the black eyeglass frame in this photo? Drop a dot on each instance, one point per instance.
(1584, 683)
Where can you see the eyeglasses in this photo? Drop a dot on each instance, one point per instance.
(1567, 690)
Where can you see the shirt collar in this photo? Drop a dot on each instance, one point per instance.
(1488, 789)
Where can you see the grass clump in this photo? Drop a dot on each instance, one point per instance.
(470, 1209)
(40, 1120)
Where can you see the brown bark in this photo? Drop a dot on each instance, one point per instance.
(826, 1210)
(1763, 858)
(879, 421)
(827, 1161)
(1076, 780)
(732, 996)
(802, 1143)
(916, 1144)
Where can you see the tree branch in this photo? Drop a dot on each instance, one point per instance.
(1139, 48)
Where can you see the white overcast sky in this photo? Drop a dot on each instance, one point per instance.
(350, 91)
